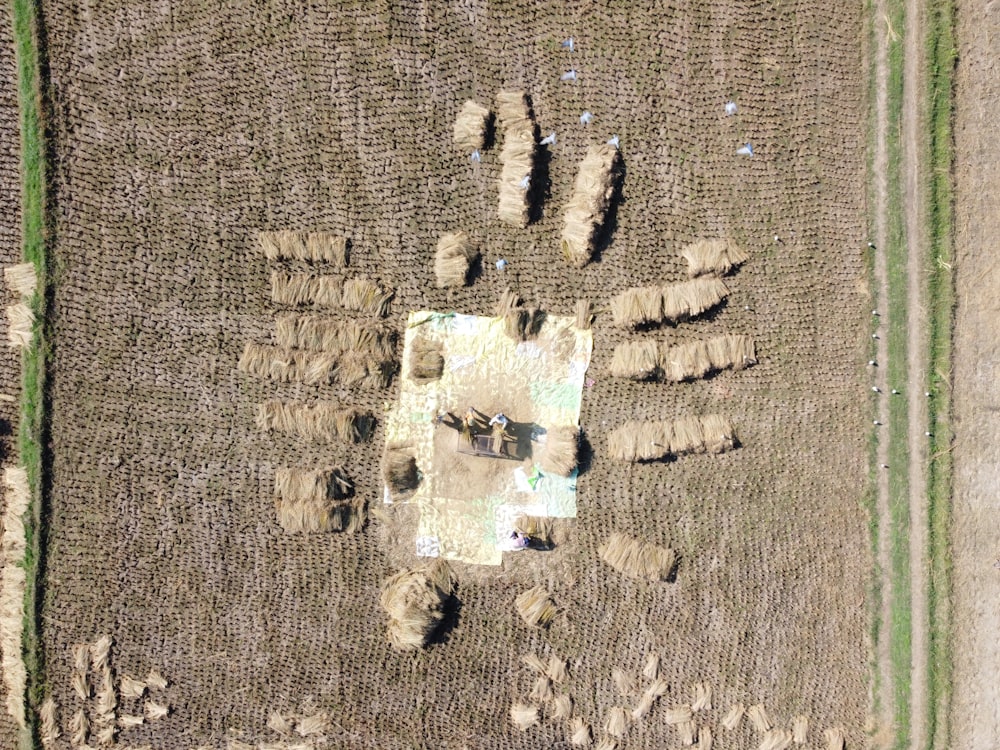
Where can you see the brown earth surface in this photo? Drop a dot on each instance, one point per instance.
(975, 721)
(182, 132)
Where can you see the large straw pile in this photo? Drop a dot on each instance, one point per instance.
(453, 259)
(399, 470)
(311, 246)
(535, 607)
(20, 320)
(356, 294)
(645, 359)
(638, 559)
(649, 441)
(520, 323)
(12, 580)
(314, 368)
(471, 124)
(674, 302)
(21, 278)
(325, 334)
(315, 500)
(426, 360)
(559, 452)
(713, 256)
(592, 192)
(323, 420)
(415, 601)
(517, 157)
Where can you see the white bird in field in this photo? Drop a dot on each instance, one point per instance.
(871, 245)
(884, 466)
(876, 422)
(475, 158)
(613, 141)
(585, 118)
(927, 393)
(927, 434)
(525, 181)
(745, 150)
(874, 335)
(872, 362)
(875, 313)
(731, 108)
(895, 392)
(569, 75)
(876, 389)
(549, 140)
(568, 44)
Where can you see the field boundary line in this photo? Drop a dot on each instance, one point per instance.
(33, 423)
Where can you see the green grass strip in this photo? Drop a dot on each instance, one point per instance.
(32, 427)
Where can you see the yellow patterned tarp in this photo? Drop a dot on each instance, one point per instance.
(468, 504)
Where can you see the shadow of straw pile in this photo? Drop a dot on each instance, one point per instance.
(647, 359)
(649, 441)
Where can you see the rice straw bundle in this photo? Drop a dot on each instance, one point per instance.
(539, 528)
(12, 583)
(638, 360)
(296, 289)
(155, 711)
(732, 351)
(22, 279)
(523, 716)
(415, 602)
(106, 700)
(645, 703)
(702, 696)
(637, 306)
(105, 734)
(79, 728)
(834, 738)
(775, 739)
(453, 259)
(315, 500)
(130, 688)
(535, 607)
(534, 663)
(562, 707)
(311, 246)
(559, 452)
(128, 721)
(323, 420)
(399, 471)
(517, 157)
(800, 728)
(279, 723)
(687, 731)
(691, 298)
(541, 691)
(716, 256)
(592, 193)
(606, 743)
(513, 111)
(155, 680)
(704, 738)
(80, 685)
(20, 320)
(49, 725)
(685, 362)
(758, 717)
(325, 334)
(624, 683)
(556, 669)
(617, 722)
(652, 668)
(470, 128)
(732, 718)
(365, 296)
(579, 732)
(649, 441)
(81, 657)
(677, 714)
(287, 365)
(426, 360)
(638, 559)
(315, 724)
(584, 314)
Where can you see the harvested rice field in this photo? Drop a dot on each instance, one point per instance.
(183, 131)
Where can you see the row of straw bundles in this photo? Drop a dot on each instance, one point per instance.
(646, 359)
(517, 157)
(648, 441)
(312, 246)
(12, 581)
(415, 601)
(106, 700)
(357, 294)
(470, 128)
(20, 317)
(314, 500)
(674, 302)
(453, 259)
(638, 559)
(314, 368)
(323, 420)
(592, 191)
(713, 256)
(325, 334)
(559, 452)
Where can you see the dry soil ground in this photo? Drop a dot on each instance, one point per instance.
(183, 129)
(976, 540)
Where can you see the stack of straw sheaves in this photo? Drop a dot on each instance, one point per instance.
(648, 441)
(592, 192)
(415, 601)
(713, 257)
(645, 359)
(308, 246)
(323, 420)
(674, 302)
(315, 500)
(471, 123)
(453, 259)
(517, 157)
(20, 317)
(356, 294)
(313, 367)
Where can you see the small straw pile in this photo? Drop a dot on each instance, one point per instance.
(535, 607)
(469, 132)
(617, 722)
(523, 716)
(517, 157)
(520, 323)
(584, 314)
(365, 296)
(311, 246)
(732, 718)
(297, 289)
(687, 731)
(645, 359)
(579, 732)
(321, 421)
(673, 303)
(638, 559)
(426, 360)
(704, 738)
(775, 739)
(453, 259)
(399, 470)
(834, 738)
(702, 696)
(22, 279)
(649, 441)
(12, 582)
(49, 729)
(317, 500)
(559, 453)
(315, 368)
(20, 320)
(106, 701)
(592, 193)
(415, 601)
(322, 333)
(800, 729)
(758, 717)
(713, 257)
